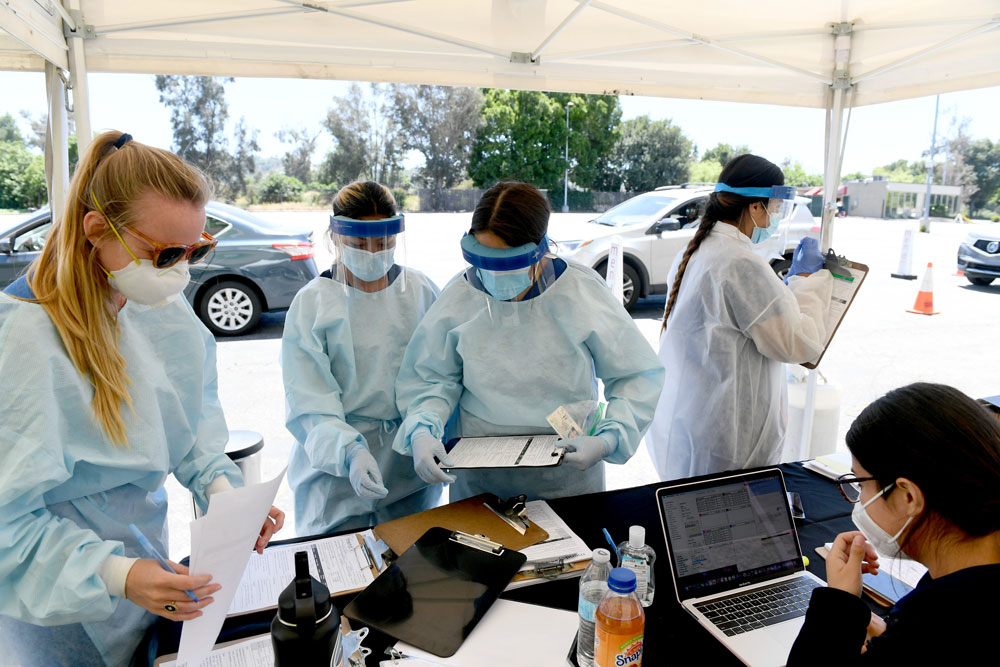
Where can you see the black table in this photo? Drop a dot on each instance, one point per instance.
(670, 631)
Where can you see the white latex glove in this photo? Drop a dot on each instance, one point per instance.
(365, 476)
(585, 451)
(425, 447)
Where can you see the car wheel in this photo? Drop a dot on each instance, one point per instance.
(230, 308)
(982, 282)
(630, 284)
(781, 267)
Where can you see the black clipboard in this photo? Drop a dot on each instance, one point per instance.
(843, 270)
(436, 592)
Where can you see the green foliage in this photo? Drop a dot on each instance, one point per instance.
(983, 157)
(648, 154)
(723, 153)
(524, 137)
(297, 161)
(9, 131)
(705, 171)
(796, 176)
(279, 188)
(366, 135)
(856, 176)
(402, 197)
(902, 171)
(22, 177)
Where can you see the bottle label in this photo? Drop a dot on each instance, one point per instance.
(587, 609)
(641, 569)
(620, 651)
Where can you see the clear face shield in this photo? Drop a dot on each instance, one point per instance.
(780, 203)
(368, 254)
(509, 278)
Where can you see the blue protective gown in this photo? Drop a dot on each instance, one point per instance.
(507, 365)
(340, 353)
(67, 494)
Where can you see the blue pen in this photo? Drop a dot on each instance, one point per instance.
(614, 549)
(151, 550)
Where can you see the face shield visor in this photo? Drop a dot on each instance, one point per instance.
(509, 278)
(368, 254)
(780, 198)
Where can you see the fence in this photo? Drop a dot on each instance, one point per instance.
(466, 200)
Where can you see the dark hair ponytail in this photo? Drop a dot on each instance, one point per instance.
(743, 171)
(515, 211)
(943, 441)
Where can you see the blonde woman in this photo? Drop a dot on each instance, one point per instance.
(110, 384)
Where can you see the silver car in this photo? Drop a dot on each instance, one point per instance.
(979, 255)
(258, 266)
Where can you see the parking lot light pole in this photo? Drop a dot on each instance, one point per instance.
(565, 208)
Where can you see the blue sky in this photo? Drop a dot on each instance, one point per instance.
(878, 134)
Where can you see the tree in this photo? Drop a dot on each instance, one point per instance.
(297, 162)
(9, 131)
(366, 136)
(198, 115)
(278, 188)
(648, 154)
(22, 177)
(723, 153)
(523, 136)
(902, 171)
(983, 157)
(439, 122)
(796, 176)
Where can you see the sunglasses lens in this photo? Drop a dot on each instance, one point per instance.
(168, 257)
(200, 253)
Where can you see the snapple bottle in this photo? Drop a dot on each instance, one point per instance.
(620, 623)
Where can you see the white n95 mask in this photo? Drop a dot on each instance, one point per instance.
(883, 542)
(144, 283)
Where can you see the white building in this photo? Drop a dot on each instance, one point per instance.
(876, 198)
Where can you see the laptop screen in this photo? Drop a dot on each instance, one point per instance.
(729, 532)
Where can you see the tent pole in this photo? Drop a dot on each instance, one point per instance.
(78, 80)
(56, 143)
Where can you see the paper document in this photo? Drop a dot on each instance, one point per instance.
(253, 652)
(339, 563)
(221, 544)
(519, 451)
(511, 633)
(830, 466)
(562, 542)
(845, 284)
(910, 572)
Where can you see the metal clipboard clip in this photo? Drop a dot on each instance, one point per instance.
(548, 569)
(479, 542)
(513, 512)
(833, 261)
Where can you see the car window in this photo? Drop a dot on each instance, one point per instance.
(636, 210)
(690, 209)
(33, 240)
(215, 226)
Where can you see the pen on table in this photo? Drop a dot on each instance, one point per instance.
(151, 550)
(607, 536)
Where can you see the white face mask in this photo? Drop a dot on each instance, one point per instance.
(883, 542)
(144, 283)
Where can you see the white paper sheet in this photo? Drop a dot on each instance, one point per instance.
(253, 652)
(221, 544)
(562, 542)
(339, 563)
(511, 633)
(525, 451)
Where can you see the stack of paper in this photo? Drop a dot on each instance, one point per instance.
(562, 543)
(831, 466)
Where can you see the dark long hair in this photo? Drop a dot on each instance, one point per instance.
(743, 171)
(943, 441)
(361, 199)
(515, 211)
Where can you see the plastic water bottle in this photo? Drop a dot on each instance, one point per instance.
(637, 556)
(621, 623)
(593, 587)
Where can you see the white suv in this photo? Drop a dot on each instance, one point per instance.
(654, 227)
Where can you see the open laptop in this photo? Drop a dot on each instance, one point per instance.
(736, 562)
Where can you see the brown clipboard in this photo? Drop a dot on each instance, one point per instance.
(833, 263)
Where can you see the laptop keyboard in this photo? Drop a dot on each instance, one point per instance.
(736, 614)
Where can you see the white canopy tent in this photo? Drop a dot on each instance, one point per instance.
(830, 54)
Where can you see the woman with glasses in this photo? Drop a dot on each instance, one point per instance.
(925, 486)
(110, 385)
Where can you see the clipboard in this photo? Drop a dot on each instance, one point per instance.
(436, 592)
(533, 450)
(848, 277)
(884, 589)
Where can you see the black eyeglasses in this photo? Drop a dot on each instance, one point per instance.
(850, 486)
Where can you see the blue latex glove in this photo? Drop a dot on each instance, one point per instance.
(585, 451)
(366, 478)
(425, 447)
(806, 259)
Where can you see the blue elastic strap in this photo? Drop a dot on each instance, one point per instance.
(20, 289)
(341, 224)
(773, 192)
(502, 259)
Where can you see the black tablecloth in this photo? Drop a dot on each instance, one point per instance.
(671, 633)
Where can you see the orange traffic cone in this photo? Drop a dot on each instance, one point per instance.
(924, 305)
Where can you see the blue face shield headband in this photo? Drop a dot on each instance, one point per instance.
(363, 264)
(781, 200)
(504, 272)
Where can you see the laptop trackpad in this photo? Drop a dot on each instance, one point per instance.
(770, 647)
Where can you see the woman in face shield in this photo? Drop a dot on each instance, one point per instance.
(344, 337)
(515, 336)
(111, 385)
(729, 324)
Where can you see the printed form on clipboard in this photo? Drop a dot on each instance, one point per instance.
(511, 451)
(847, 279)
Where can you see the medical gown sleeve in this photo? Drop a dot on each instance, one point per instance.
(48, 565)
(207, 460)
(429, 383)
(631, 371)
(791, 326)
(314, 412)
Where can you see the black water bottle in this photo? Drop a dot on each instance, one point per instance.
(306, 629)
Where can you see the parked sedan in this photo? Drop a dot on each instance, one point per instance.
(258, 266)
(979, 255)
